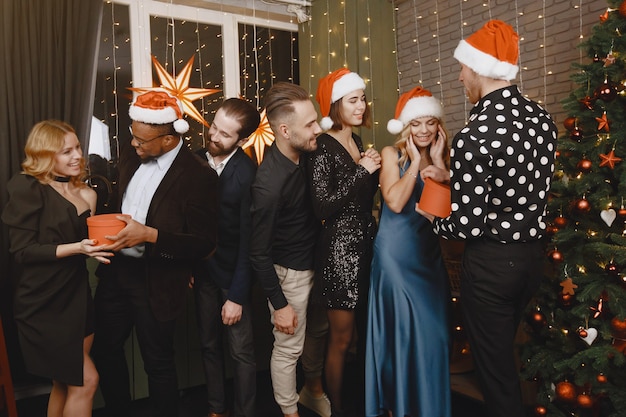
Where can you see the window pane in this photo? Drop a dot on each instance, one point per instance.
(110, 124)
(173, 43)
(269, 55)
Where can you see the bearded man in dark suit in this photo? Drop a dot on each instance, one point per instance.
(222, 283)
(169, 199)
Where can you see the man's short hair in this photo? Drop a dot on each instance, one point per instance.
(279, 101)
(245, 113)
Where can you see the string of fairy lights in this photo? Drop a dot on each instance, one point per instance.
(421, 61)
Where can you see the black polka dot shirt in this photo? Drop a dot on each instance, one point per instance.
(502, 163)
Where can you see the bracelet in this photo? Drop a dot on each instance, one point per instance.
(412, 174)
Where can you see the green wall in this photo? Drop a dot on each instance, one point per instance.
(367, 27)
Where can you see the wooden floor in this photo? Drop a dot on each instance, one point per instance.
(193, 401)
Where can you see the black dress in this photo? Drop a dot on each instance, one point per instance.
(342, 194)
(53, 305)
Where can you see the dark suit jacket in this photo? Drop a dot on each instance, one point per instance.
(229, 267)
(184, 210)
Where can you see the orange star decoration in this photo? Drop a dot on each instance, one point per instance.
(260, 138)
(603, 122)
(568, 286)
(179, 88)
(609, 159)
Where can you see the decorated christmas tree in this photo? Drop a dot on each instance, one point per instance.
(577, 322)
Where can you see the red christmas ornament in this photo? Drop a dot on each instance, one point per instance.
(560, 221)
(612, 268)
(584, 400)
(551, 229)
(601, 378)
(569, 123)
(609, 159)
(582, 333)
(606, 91)
(566, 299)
(584, 165)
(622, 211)
(537, 320)
(582, 205)
(565, 391)
(619, 327)
(622, 9)
(540, 410)
(576, 134)
(619, 345)
(555, 256)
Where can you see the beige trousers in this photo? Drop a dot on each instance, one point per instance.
(296, 286)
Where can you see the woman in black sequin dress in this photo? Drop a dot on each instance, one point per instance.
(344, 179)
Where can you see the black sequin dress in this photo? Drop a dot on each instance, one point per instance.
(342, 195)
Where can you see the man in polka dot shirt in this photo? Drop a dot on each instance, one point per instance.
(502, 163)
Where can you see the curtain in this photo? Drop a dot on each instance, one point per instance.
(47, 70)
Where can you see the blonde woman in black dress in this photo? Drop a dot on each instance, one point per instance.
(46, 216)
(344, 179)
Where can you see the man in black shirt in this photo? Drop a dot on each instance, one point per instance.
(284, 231)
(502, 163)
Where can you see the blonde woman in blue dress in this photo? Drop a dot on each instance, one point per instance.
(406, 372)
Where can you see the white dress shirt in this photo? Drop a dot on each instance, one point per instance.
(141, 189)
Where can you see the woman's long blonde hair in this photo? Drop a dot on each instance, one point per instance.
(45, 139)
(403, 136)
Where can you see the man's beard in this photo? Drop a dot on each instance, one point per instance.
(216, 150)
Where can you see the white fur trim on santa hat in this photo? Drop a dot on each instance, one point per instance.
(346, 84)
(424, 106)
(152, 116)
(158, 117)
(326, 123)
(483, 63)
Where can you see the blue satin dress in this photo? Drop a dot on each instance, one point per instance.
(407, 370)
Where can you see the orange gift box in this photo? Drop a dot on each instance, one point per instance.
(435, 198)
(102, 225)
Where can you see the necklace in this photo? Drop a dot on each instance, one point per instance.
(61, 179)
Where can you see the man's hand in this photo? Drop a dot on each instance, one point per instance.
(286, 320)
(231, 313)
(133, 234)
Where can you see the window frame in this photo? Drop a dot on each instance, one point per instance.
(140, 45)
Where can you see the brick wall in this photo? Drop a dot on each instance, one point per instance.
(457, 19)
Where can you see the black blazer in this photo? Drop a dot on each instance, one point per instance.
(229, 267)
(184, 210)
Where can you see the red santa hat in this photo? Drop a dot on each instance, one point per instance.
(332, 88)
(414, 104)
(158, 108)
(492, 51)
